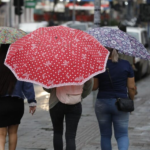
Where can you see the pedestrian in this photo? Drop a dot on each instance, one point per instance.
(107, 114)
(71, 113)
(12, 97)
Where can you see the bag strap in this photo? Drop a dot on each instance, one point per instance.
(111, 82)
(110, 77)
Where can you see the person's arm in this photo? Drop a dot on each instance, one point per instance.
(87, 88)
(47, 90)
(96, 84)
(131, 87)
(29, 93)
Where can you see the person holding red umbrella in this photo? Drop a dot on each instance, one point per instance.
(71, 111)
(12, 97)
(54, 57)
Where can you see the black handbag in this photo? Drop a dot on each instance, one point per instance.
(123, 104)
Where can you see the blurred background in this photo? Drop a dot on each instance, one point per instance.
(56, 12)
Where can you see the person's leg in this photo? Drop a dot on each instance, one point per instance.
(120, 122)
(105, 123)
(12, 133)
(3, 133)
(72, 117)
(57, 117)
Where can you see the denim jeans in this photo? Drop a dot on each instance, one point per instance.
(107, 115)
(72, 114)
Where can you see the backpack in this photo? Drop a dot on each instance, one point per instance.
(69, 94)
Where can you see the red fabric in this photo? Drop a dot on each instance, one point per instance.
(70, 4)
(56, 56)
(105, 5)
(102, 5)
(88, 4)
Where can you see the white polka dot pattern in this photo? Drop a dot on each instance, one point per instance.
(56, 56)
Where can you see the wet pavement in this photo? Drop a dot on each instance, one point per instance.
(36, 132)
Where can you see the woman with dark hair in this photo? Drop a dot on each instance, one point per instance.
(12, 94)
(122, 76)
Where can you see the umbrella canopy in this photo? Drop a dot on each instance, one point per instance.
(113, 38)
(121, 41)
(9, 35)
(137, 49)
(56, 56)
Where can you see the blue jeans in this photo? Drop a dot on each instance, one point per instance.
(108, 114)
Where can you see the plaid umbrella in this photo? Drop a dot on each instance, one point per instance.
(9, 35)
(57, 56)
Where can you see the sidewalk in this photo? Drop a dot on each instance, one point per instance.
(35, 132)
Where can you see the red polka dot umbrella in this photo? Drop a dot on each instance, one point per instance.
(56, 56)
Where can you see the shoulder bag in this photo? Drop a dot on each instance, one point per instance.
(123, 104)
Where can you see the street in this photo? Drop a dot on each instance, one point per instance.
(36, 132)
